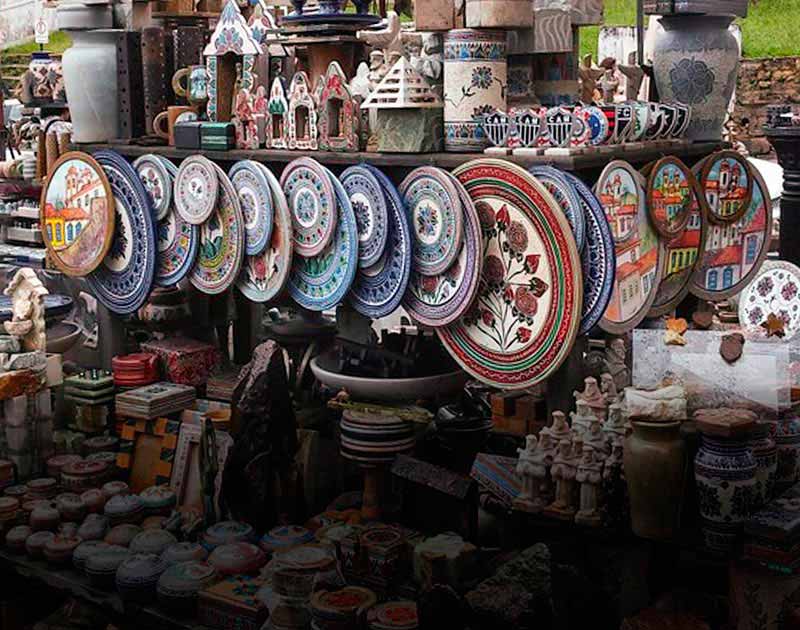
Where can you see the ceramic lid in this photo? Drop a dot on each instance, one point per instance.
(228, 532)
(285, 536)
(84, 468)
(39, 539)
(18, 534)
(184, 552)
(139, 568)
(152, 541)
(393, 616)
(122, 534)
(123, 505)
(186, 577)
(158, 496)
(724, 422)
(238, 557)
(345, 601)
(41, 486)
(106, 560)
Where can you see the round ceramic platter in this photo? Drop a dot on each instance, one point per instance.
(312, 202)
(437, 223)
(598, 260)
(177, 248)
(525, 318)
(196, 188)
(670, 194)
(255, 198)
(378, 290)
(76, 214)
(727, 182)
(221, 247)
(157, 181)
(774, 290)
(441, 299)
(372, 215)
(321, 282)
(681, 257)
(639, 252)
(264, 275)
(732, 254)
(125, 276)
(566, 198)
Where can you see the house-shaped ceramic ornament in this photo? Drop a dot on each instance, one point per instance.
(244, 121)
(232, 56)
(339, 113)
(277, 117)
(302, 114)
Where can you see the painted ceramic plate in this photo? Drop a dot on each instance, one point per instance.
(437, 222)
(524, 320)
(221, 248)
(264, 275)
(255, 198)
(76, 214)
(639, 252)
(196, 188)
(312, 202)
(641, 120)
(441, 299)
(566, 198)
(372, 215)
(378, 290)
(177, 248)
(157, 182)
(598, 260)
(728, 185)
(321, 282)
(774, 290)
(732, 254)
(124, 278)
(670, 193)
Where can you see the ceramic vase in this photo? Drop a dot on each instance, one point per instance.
(765, 452)
(787, 441)
(55, 76)
(655, 468)
(695, 62)
(90, 80)
(725, 474)
(475, 79)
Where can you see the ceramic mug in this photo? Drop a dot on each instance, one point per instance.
(191, 83)
(164, 123)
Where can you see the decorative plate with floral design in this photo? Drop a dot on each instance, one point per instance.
(177, 248)
(196, 188)
(437, 222)
(264, 275)
(221, 247)
(255, 198)
(566, 198)
(157, 182)
(726, 179)
(312, 202)
(775, 290)
(670, 195)
(321, 282)
(526, 315)
(377, 290)
(123, 279)
(372, 216)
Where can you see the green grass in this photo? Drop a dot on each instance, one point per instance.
(771, 28)
(59, 42)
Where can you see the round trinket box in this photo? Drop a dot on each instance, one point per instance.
(122, 535)
(295, 568)
(59, 550)
(71, 507)
(240, 557)
(101, 567)
(124, 509)
(57, 462)
(35, 543)
(28, 507)
(107, 457)
(179, 585)
(195, 190)
(184, 552)
(84, 550)
(312, 203)
(8, 509)
(94, 527)
(399, 615)
(226, 532)
(44, 516)
(94, 500)
(115, 488)
(137, 577)
(100, 443)
(342, 608)
(152, 541)
(158, 500)
(16, 492)
(284, 537)
(83, 475)
(16, 538)
(44, 488)
(367, 438)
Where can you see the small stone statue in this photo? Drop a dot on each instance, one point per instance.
(588, 75)
(429, 62)
(616, 364)
(634, 76)
(614, 427)
(613, 464)
(560, 429)
(596, 439)
(27, 307)
(563, 471)
(589, 475)
(582, 416)
(360, 84)
(593, 397)
(548, 447)
(377, 61)
(609, 82)
(608, 388)
(532, 469)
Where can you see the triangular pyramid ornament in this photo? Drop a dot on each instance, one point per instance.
(403, 88)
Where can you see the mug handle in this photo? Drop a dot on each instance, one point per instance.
(178, 87)
(158, 125)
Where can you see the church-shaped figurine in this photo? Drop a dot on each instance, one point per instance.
(339, 113)
(277, 134)
(232, 56)
(302, 114)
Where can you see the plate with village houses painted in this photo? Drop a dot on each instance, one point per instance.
(378, 289)
(670, 193)
(371, 209)
(177, 242)
(638, 249)
(774, 290)
(312, 202)
(566, 198)
(525, 318)
(221, 248)
(124, 278)
(732, 253)
(255, 198)
(264, 275)
(195, 189)
(727, 182)
(437, 222)
(598, 260)
(76, 214)
(157, 181)
(321, 282)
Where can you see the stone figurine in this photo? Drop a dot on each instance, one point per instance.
(609, 82)
(560, 429)
(27, 299)
(589, 74)
(532, 469)
(608, 388)
(596, 439)
(634, 76)
(614, 427)
(589, 475)
(593, 397)
(563, 472)
(616, 364)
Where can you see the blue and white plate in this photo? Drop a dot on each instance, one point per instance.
(566, 198)
(370, 207)
(320, 282)
(255, 197)
(157, 181)
(378, 290)
(177, 248)
(124, 278)
(598, 258)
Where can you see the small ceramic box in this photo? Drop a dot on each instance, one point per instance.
(184, 361)
(232, 604)
(187, 135)
(217, 136)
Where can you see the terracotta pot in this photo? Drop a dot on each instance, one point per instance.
(655, 468)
